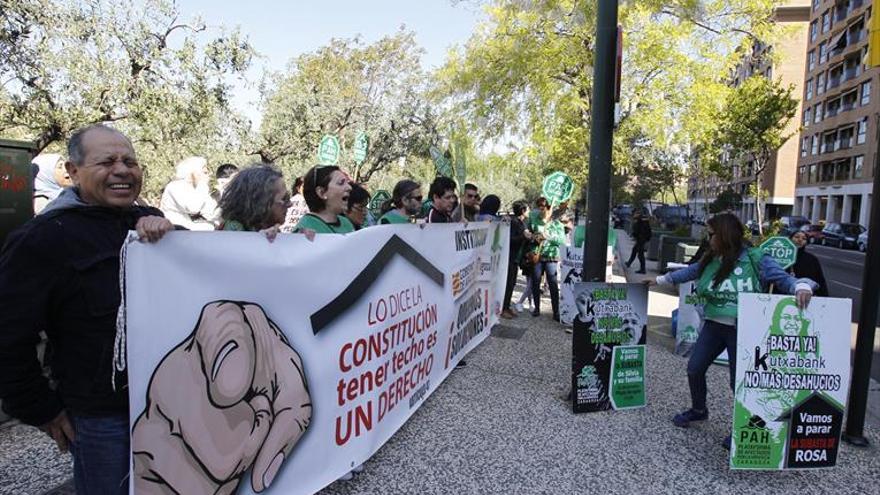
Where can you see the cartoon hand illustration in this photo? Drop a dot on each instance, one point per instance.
(232, 396)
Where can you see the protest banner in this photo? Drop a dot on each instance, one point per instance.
(792, 380)
(689, 319)
(571, 260)
(278, 367)
(608, 352)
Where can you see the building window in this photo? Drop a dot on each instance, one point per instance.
(820, 84)
(863, 131)
(816, 4)
(805, 143)
(814, 30)
(811, 59)
(809, 89)
(866, 92)
(858, 167)
(826, 21)
(814, 149)
(823, 52)
(841, 170)
(814, 173)
(817, 113)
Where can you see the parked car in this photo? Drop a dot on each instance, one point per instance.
(842, 235)
(813, 232)
(863, 241)
(791, 224)
(671, 216)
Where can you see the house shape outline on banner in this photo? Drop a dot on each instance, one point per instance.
(361, 283)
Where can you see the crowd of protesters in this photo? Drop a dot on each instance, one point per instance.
(89, 202)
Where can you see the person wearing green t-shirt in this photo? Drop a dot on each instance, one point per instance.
(728, 268)
(255, 200)
(405, 203)
(547, 236)
(325, 189)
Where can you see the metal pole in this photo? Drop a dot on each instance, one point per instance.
(861, 375)
(601, 135)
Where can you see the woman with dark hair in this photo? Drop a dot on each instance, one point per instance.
(356, 212)
(728, 268)
(807, 265)
(326, 189)
(489, 207)
(256, 199)
(405, 203)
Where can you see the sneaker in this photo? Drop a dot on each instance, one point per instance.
(569, 330)
(508, 314)
(726, 443)
(518, 307)
(683, 420)
(461, 364)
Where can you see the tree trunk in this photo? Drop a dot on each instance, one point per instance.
(759, 210)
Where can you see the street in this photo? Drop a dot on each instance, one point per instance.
(843, 271)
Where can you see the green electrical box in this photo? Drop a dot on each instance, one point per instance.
(16, 185)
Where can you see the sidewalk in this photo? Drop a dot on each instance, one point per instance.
(500, 426)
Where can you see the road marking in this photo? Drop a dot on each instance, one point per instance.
(847, 285)
(840, 260)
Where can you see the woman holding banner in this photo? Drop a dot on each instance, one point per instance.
(548, 234)
(326, 189)
(256, 199)
(728, 268)
(405, 203)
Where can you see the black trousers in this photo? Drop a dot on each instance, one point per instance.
(512, 271)
(638, 250)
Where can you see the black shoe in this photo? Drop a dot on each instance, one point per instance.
(461, 364)
(683, 420)
(556, 318)
(536, 312)
(627, 264)
(641, 271)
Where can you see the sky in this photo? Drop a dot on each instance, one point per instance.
(281, 30)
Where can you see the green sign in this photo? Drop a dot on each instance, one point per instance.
(780, 249)
(361, 148)
(441, 163)
(377, 200)
(628, 376)
(557, 188)
(328, 150)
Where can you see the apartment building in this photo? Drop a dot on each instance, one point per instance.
(838, 140)
(785, 60)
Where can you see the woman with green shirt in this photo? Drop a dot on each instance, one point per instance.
(255, 200)
(405, 202)
(326, 189)
(548, 234)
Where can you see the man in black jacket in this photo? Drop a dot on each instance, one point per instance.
(641, 232)
(60, 273)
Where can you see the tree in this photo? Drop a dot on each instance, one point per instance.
(753, 127)
(346, 88)
(726, 200)
(160, 79)
(527, 73)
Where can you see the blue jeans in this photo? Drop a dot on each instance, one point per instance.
(545, 267)
(100, 455)
(714, 338)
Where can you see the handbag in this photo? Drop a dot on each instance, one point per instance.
(531, 258)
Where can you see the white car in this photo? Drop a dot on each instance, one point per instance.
(863, 241)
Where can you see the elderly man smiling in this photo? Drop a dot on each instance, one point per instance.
(60, 273)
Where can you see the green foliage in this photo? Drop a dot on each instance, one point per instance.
(726, 200)
(162, 80)
(345, 88)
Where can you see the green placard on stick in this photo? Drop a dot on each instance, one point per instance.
(328, 150)
(781, 249)
(361, 148)
(441, 162)
(557, 188)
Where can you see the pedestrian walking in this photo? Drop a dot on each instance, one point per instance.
(729, 268)
(641, 233)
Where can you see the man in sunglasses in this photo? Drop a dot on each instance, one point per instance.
(467, 210)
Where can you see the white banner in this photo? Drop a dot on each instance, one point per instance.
(280, 366)
(792, 380)
(690, 321)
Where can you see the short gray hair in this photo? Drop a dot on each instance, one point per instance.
(249, 196)
(75, 152)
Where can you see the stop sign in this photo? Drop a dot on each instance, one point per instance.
(780, 249)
